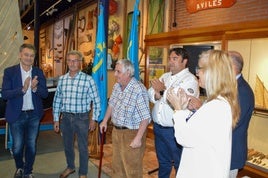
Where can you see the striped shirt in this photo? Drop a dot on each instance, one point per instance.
(131, 105)
(75, 95)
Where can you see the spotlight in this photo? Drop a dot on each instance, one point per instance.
(50, 12)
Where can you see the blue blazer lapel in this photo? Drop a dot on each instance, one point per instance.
(17, 74)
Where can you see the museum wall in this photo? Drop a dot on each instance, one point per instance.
(241, 11)
(55, 39)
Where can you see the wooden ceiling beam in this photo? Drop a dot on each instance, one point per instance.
(29, 8)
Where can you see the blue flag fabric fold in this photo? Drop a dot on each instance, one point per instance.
(99, 70)
(133, 41)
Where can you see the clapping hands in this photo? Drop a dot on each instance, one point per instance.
(34, 83)
(28, 82)
(179, 100)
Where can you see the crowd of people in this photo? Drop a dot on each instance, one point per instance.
(198, 138)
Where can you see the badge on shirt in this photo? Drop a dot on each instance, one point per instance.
(190, 90)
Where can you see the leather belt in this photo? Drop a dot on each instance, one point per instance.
(27, 111)
(120, 127)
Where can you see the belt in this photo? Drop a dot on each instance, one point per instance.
(120, 127)
(74, 114)
(27, 111)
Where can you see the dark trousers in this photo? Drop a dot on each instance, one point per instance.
(71, 125)
(168, 151)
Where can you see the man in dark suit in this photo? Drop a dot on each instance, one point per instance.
(246, 100)
(24, 87)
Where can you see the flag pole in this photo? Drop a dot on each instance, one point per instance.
(101, 152)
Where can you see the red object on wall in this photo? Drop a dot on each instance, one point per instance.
(112, 7)
(198, 5)
(118, 39)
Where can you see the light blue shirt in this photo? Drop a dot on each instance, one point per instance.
(75, 94)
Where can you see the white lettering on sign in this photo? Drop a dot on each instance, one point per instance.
(208, 4)
(198, 5)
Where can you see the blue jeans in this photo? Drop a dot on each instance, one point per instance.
(168, 151)
(78, 124)
(24, 133)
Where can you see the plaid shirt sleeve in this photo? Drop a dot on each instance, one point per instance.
(94, 94)
(57, 101)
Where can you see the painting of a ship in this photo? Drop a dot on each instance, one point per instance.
(261, 95)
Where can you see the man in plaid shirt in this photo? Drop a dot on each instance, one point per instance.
(71, 106)
(129, 109)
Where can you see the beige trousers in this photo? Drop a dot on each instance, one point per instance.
(126, 161)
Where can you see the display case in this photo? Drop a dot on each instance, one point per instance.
(257, 163)
(255, 56)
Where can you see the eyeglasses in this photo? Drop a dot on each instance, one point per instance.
(73, 61)
(197, 68)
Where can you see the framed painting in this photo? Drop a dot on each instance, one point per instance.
(155, 71)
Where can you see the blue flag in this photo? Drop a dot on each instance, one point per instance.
(133, 41)
(99, 71)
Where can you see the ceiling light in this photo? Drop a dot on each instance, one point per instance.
(50, 12)
(28, 27)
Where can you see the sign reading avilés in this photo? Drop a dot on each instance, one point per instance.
(198, 5)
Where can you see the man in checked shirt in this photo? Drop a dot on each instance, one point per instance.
(71, 106)
(130, 113)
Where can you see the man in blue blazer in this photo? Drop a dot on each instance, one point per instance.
(246, 100)
(24, 87)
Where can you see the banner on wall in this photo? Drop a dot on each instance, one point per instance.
(198, 5)
(133, 42)
(99, 71)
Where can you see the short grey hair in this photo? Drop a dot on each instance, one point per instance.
(75, 52)
(127, 66)
(237, 60)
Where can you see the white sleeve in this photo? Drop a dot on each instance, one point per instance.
(190, 86)
(151, 94)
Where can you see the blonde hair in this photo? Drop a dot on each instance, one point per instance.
(220, 79)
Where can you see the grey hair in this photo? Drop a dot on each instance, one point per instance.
(75, 52)
(237, 60)
(28, 46)
(127, 66)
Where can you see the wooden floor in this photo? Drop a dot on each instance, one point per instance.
(149, 162)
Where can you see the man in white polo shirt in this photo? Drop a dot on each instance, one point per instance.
(167, 150)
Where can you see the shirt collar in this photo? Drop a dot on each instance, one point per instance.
(21, 68)
(182, 72)
(238, 75)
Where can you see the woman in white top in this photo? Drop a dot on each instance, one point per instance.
(207, 133)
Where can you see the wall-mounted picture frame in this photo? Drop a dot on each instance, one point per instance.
(155, 71)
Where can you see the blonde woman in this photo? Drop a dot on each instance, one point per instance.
(206, 135)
